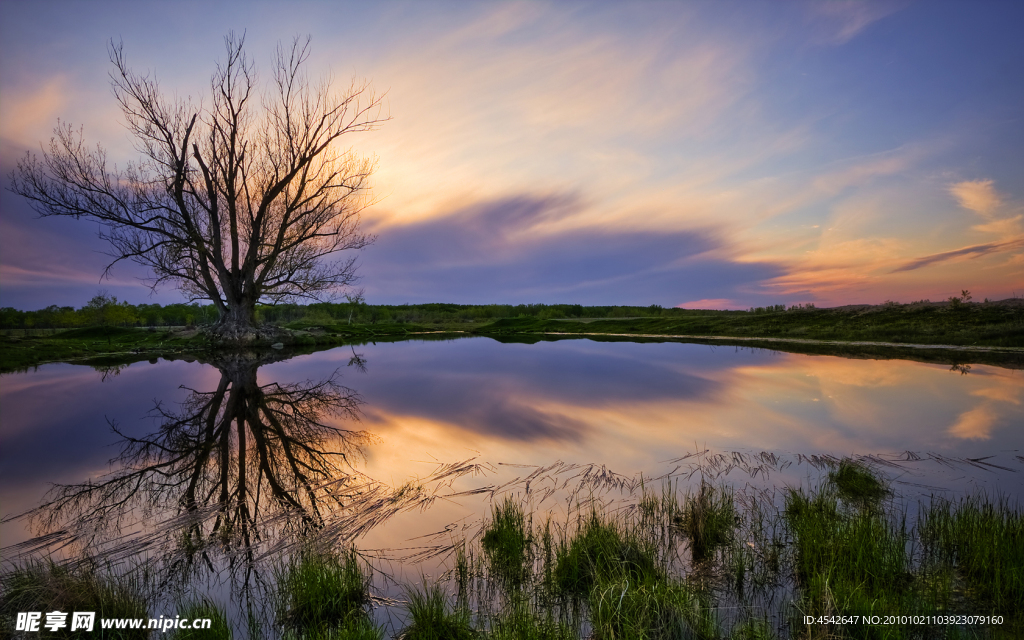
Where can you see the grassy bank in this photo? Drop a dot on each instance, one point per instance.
(992, 324)
(107, 346)
(863, 331)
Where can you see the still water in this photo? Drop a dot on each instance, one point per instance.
(128, 458)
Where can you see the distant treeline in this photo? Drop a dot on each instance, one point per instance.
(107, 310)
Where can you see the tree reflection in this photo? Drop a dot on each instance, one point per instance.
(225, 466)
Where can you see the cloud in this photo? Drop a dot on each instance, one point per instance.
(29, 114)
(839, 21)
(978, 196)
(514, 250)
(974, 251)
(710, 303)
(1003, 227)
(525, 97)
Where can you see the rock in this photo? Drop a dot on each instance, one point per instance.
(277, 345)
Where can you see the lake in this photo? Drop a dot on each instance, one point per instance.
(431, 431)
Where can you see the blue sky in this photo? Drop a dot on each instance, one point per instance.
(707, 154)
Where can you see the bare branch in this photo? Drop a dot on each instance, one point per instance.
(236, 202)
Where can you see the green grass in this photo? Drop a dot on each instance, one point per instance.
(107, 346)
(507, 543)
(219, 629)
(753, 630)
(603, 549)
(989, 324)
(322, 592)
(856, 483)
(520, 622)
(851, 561)
(431, 617)
(843, 546)
(46, 586)
(708, 520)
(975, 324)
(984, 542)
(357, 629)
(648, 606)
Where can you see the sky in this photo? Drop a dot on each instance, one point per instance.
(694, 154)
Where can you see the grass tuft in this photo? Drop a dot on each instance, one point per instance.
(651, 607)
(520, 622)
(849, 562)
(603, 549)
(47, 586)
(323, 591)
(433, 619)
(507, 543)
(708, 520)
(856, 483)
(752, 630)
(219, 629)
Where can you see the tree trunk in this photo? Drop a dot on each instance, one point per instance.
(237, 325)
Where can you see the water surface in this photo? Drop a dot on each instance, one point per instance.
(632, 407)
(239, 458)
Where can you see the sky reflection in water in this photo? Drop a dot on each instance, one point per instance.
(632, 407)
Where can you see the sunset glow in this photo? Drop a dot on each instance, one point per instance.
(702, 155)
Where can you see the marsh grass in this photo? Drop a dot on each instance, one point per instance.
(708, 520)
(850, 561)
(603, 549)
(714, 563)
(856, 483)
(650, 606)
(711, 562)
(323, 593)
(47, 586)
(357, 629)
(984, 542)
(220, 628)
(432, 617)
(520, 621)
(508, 543)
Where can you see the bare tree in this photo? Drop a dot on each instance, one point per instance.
(247, 199)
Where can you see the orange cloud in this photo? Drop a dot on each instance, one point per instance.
(965, 252)
(978, 196)
(29, 115)
(710, 303)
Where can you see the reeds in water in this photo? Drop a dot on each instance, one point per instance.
(44, 586)
(325, 595)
